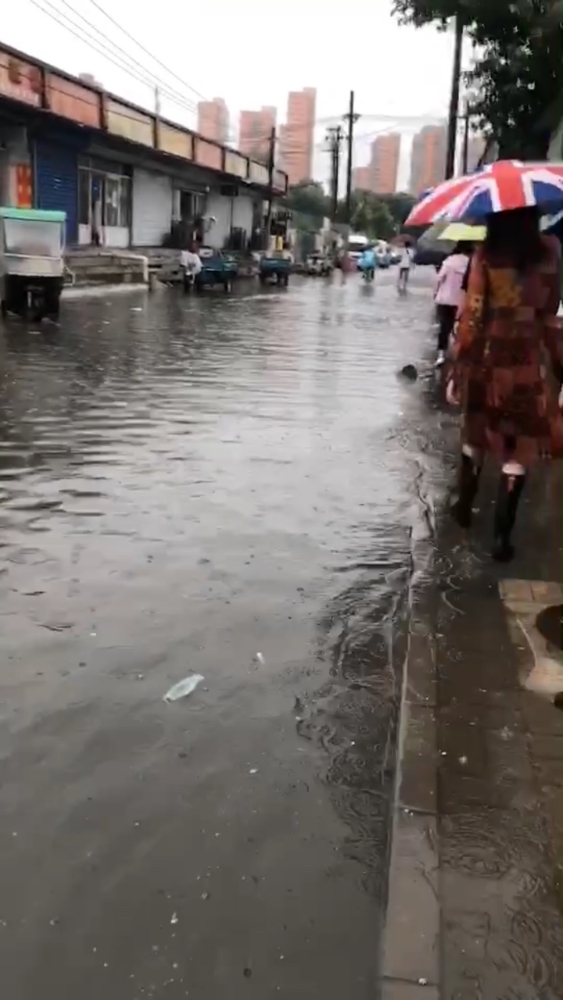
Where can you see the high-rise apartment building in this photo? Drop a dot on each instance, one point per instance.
(213, 119)
(360, 178)
(255, 130)
(296, 136)
(384, 163)
(428, 158)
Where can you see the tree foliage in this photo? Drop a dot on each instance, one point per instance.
(378, 216)
(518, 75)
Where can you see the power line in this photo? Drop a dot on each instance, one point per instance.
(122, 53)
(146, 51)
(102, 50)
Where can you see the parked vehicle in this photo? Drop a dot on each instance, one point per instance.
(217, 268)
(319, 264)
(32, 246)
(356, 246)
(275, 266)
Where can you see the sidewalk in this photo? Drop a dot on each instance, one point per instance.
(475, 887)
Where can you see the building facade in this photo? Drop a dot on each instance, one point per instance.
(255, 131)
(360, 178)
(213, 119)
(428, 158)
(384, 163)
(122, 175)
(297, 135)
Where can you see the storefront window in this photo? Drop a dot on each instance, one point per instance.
(83, 197)
(112, 201)
(125, 202)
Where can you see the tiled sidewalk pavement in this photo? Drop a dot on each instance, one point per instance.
(474, 903)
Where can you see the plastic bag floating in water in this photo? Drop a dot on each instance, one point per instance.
(183, 688)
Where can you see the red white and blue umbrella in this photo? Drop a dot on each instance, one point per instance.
(499, 187)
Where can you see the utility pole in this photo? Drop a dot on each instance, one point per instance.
(335, 136)
(351, 118)
(271, 165)
(454, 97)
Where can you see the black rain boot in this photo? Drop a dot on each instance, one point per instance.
(468, 484)
(508, 497)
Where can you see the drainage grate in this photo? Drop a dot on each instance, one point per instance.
(549, 624)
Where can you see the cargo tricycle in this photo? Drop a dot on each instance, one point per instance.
(32, 245)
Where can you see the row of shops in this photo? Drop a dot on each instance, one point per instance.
(123, 177)
(116, 202)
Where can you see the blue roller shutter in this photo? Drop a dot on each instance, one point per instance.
(56, 183)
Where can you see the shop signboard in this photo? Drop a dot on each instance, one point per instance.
(258, 173)
(71, 100)
(128, 123)
(20, 80)
(236, 164)
(175, 141)
(208, 154)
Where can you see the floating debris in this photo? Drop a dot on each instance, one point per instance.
(183, 688)
(174, 918)
(259, 658)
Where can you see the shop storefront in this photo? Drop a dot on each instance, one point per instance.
(56, 182)
(104, 203)
(152, 207)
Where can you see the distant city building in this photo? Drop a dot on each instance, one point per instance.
(296, 136)
(384, 163)
(255, 130)
(428, 160)
(213, 119)
(360, 178)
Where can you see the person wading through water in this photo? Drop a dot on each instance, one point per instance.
(507, 323)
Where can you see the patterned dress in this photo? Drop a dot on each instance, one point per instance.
(507, 325)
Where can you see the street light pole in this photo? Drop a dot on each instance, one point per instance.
(454, 98)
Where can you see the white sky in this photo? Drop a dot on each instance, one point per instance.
(236, 49)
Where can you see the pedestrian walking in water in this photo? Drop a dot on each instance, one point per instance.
(405, 264)
(449, 295)
(507, 324)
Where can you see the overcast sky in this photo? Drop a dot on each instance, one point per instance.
(242, 51)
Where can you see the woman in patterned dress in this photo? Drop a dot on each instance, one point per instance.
(507, 326)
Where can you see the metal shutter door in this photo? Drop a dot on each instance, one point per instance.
(152, 208)
(56, 183)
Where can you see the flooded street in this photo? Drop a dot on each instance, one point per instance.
(233, 487)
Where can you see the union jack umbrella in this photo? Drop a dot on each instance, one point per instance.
(499, 187)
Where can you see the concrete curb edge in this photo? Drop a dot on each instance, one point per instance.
(411, 944)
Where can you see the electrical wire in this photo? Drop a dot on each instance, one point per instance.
(107, 54)
(146, 51)
(123, 54)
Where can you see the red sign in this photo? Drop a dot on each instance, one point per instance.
(19, 80)
(24, 194)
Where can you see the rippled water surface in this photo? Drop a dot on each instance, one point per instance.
(185, 483)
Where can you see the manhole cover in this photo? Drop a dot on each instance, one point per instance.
(549, 623)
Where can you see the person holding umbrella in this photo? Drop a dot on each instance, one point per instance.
(507, 323)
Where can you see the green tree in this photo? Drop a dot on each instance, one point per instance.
(308, 199)
(518, 75)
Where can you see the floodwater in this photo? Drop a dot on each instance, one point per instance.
(233, 487)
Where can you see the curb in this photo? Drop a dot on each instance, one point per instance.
(411, 945)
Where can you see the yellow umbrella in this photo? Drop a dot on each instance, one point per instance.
(459, 232)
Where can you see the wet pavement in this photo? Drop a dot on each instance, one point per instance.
(186, 484)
